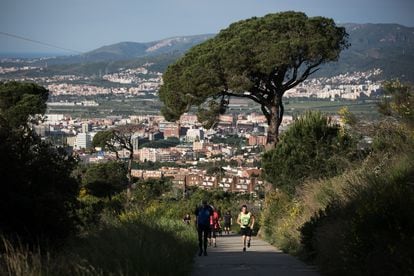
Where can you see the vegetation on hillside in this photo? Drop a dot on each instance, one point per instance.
(38, 199)
(358, 221)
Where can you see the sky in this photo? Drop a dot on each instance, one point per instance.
(84, 25)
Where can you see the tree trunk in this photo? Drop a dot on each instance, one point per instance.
(273, 130)
(274, 121)
(129, 175)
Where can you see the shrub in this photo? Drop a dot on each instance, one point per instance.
(311, 148)
(105, 179)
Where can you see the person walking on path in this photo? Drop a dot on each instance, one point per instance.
(246, 222)
(228, 221)
(203, 216)
(214, 227)
(187, 219)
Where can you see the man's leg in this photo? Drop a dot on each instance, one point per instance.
(249, 236)
(206, 231)
(214, 238)
(200, 244)
(243, 232)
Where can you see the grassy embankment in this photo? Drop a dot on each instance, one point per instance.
(356, 223)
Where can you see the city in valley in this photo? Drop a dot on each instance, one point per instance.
(81, 106)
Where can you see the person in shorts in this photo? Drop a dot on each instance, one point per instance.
(228, 221)
(246, 222)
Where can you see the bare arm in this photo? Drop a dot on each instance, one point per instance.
(238, 220)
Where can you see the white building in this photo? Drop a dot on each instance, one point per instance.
(86, 127)
(195, 135)
(148, 154)
(83, 141)
(135, 142)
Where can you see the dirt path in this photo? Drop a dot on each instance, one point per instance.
(260, 259)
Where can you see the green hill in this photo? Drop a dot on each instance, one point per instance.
(389, 47)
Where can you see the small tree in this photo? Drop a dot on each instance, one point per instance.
(105, 179)
(398, 101)
(152, 189)
(106, 140)
(120, 137)
(38, 198)
(311, 148)
(259, 59)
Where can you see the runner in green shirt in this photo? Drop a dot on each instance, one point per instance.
(246, 222)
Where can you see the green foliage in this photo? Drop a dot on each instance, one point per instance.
(251, 58)
(398, 101)
(137, 245)
(311, 148)
(21, 102)
(391, 137)
(151, 189)
(105, 179)
(373, 226)
(167, 143)
(277, 220)
(215, 170)
(355, 223)
(105, 140)
(38, 198)
(347, 117)
(232, 140)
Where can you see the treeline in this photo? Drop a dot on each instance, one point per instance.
(341, 202)
(57, 217)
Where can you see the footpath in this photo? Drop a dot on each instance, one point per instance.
(261, 258)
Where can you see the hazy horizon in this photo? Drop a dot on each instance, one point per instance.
(82, 26)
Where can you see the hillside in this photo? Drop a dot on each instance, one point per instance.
(389, 47)
(133, 50)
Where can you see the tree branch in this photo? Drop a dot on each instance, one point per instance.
(304, 76)
(295, 73)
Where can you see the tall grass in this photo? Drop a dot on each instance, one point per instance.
(19, 260)
(129, 245)
(371, 231)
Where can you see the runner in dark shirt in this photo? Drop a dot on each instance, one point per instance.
(203, 216)
(228, 221)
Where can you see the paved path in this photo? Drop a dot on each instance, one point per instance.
(260, 259)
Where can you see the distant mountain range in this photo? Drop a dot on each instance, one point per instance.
(133, 50)
(389, 47)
